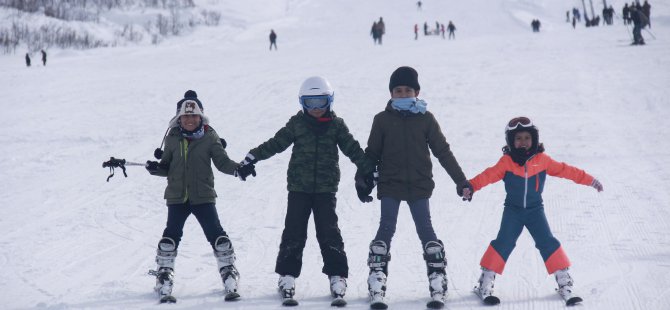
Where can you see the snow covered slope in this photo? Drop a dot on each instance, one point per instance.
(72, 241)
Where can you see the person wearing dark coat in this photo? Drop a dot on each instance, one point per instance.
(44, 57)
(639, 21)
(451, 29)
(273, 39)
(646, 9)
(27, 60)
(625, 14)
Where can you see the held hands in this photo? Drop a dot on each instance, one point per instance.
(597, 185)
(365, 184)
(464, 189)
(246, 168)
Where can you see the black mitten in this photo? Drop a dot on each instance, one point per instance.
(151, 166)
(461, 190)
(244, 171)
(364, 186)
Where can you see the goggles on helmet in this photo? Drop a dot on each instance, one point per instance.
(316, 102)
(519, 121)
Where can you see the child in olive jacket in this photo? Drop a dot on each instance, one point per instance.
(401, 141)
(191, 145)
(313, 176)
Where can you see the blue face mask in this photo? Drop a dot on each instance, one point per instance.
(411, 104)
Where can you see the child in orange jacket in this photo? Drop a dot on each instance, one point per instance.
(524, 167)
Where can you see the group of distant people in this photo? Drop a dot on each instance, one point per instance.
(44, 58)
(439, 29)
(639, 15)
(378, 30)
(535, 25)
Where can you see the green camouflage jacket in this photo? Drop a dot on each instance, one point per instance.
(314, 165)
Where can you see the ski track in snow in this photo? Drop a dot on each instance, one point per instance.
(73, 241)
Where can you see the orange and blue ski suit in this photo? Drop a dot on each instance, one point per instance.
(524, 207)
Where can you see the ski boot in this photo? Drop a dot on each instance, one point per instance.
(564, 281)
(287, 290)
(165, 257)
(225, 259)
(436, 263)
(338, 287)
(484, 288)
(378, 259)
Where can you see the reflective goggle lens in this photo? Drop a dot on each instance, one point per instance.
(316, 102)
(519, 121)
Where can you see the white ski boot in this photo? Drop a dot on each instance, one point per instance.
(287, 290)
(225, 259)
(338, 287)
(378, 259)
(165, 257)
(564, 281)
(484, 288)
(436, 264)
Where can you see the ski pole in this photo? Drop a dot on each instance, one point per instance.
(118, 163)
(650, 33)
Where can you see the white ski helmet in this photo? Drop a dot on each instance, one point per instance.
(313, 88)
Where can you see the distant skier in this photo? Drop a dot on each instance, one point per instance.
(625, 14)
(416, 31)
(381, 30)
(191, 146)
(44, 57)
(273, 39)
(523, 168)
(374, 32)
(451, 29)
(535, 24)
(316, 133)
(646, 9)
(639, 22)
(425, 28)
(442, 30)
(27, 60)
(402, 138)
(418, 5)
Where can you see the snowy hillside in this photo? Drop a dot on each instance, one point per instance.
(73, 241)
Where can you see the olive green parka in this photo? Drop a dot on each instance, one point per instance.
(187, 164)
(401, 143)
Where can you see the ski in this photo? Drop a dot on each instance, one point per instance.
(570, 298)
(489, 300)
(435, 304)
(377, 302)
(338, 301)
(289, 302)
(231, 296)
(167, 299)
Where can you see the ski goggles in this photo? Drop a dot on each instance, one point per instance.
(316, 102)
(519, 121)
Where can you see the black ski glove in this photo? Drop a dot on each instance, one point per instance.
(464, 189)
(244, 171)
(364, 186)
(151, 166)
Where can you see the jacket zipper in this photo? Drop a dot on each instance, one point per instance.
(525, 188)
(184, 150)
(316, 160)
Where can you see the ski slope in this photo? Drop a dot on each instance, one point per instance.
(73, 241)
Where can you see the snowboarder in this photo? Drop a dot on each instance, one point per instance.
(316, 132)
(44, 57)
(191, 144)
(451, 29)
(401, 140)
(27, 60)
(524, 167)
(273, 39)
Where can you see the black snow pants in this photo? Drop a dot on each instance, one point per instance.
(205, 214)
(300, 206)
